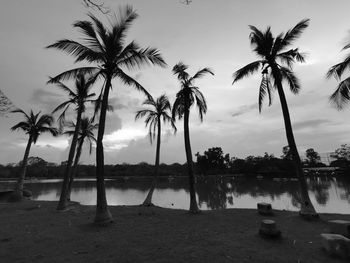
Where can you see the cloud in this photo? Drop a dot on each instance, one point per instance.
(300, 125)
(244, 109)
(48, 99)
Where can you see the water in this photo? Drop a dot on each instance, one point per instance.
(328, 194)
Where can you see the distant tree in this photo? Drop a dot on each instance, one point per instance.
(342, 153)
(107, 50)
(160, 110)
(33, 125)
(313, 157)
(185, 99)
(275, 62)
(5, 104)
(286, 154)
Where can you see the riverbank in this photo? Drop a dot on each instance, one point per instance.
(33, 231)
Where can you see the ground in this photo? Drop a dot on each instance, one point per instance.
(33, 231)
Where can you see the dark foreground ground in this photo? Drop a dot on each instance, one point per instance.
(33, 231)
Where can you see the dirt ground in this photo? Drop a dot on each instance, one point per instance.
(33, 231)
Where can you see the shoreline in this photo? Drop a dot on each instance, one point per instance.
(154, 234)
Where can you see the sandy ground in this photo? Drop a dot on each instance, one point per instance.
(33, 231)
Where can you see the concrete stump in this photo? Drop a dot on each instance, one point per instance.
(264, 209)
(268, 229)
(341, 227)
(336, 245)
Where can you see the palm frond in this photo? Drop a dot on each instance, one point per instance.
(294, 33)
(341, 96)
(291, 79)
(201, 73)
(126, 79)
(180, 70)
(247, 70)
(264, 90)
(73, 73)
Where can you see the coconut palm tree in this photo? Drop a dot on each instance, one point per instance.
(105, 48)
(185, 99)
(276, 59)
(154, 117)
(78, 98)
(33, 125)
(86, 132)
(341, 96)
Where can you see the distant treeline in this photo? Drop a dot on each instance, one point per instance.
(212, 162)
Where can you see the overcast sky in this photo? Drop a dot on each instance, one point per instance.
(206, 33)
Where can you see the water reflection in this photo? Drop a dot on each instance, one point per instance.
(329, 194)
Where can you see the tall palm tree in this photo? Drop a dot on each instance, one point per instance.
(85, 132)
(185, 99)
(33, 125)
(341, 96)
(276, 61)
(154, 117)
(78, 98)
(105, 48)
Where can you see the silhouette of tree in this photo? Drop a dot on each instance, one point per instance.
(85, 132)
(341, 95)
(77, 97)
(33, 125)
(161, 109)
(6, 104)
(276, 64)
(185, 99)
(313, 157)
(105, 47)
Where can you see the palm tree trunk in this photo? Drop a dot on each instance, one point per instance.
(20, 181)
(75, 168)
(148, 200)
(62, 204)
(307, 207)
(193, 202)
(103, 216)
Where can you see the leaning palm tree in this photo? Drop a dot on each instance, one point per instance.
(85, 132)
(78, 98)
(33, 125)
(154, 117)
(185, 99)
(341, 96)
(276, 61)
(105, 48)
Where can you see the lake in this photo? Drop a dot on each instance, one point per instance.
(328, 194)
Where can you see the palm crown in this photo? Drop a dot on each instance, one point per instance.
(86, 131)
(189, 94)
(342, 93)
(106, 48)
(78, 97)
(34, 124)
(159, 111)
(274, 52)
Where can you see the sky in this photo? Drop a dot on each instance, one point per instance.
(205, 33)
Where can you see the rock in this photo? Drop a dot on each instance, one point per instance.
(268, 229)
(264, 209)
(341, 227)
(337, 245)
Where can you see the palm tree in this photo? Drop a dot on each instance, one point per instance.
(33, 125)
(276, 62)
(86, 132)
(154, 118)
(341, 95)
(105, 48)
(78, 98)
(185, 98)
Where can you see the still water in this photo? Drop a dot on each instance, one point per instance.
(328, 194)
